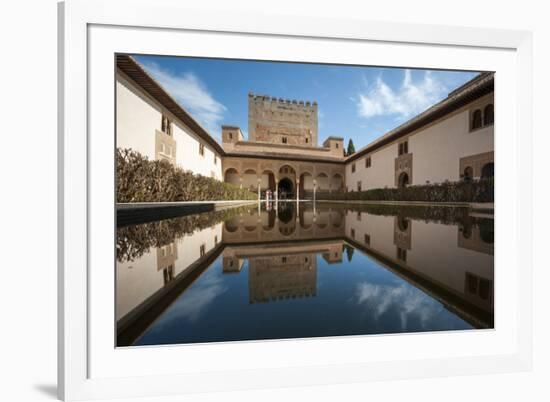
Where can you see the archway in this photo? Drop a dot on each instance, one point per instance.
(232, 176)
(306, 185)
(250, 180)
(268, 180)
(232, 225)
(336, 218)
(337, 182)
(268, 220)
(488, 171)
(489, 115)
(286, 213)
(466, 229)
(476, 120)
(287, 219)
(286, 188)
(468, 174)
(402, 223)
(403, 180)
(322, 182)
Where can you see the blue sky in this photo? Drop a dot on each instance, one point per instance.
(361, 103)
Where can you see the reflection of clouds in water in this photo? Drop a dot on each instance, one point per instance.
(197, 298)
(404, 300)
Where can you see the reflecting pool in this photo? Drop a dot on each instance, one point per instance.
(303, 270)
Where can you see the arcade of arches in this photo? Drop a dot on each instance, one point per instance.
(292, 179)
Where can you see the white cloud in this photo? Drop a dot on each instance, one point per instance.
(188, 90)
(196, 300)
(409, 99)
(320, 118)
(404, 300)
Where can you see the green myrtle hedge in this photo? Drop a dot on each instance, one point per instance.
(139, 179)
(473, 191)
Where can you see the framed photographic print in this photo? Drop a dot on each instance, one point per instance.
(245, 196)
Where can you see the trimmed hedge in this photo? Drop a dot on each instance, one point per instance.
(140, 180)
(473, 191)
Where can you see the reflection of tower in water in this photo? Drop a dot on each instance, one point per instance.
(279, 277)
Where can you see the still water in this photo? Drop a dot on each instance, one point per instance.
(303, 270)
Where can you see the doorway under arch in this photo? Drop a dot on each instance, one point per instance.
(286, 188)
(468, 174)
(403, 180)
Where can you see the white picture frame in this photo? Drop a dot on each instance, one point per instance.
(83, 27)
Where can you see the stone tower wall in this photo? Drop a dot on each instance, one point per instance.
(282, 121)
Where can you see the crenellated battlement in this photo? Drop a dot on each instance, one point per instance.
(273, 99)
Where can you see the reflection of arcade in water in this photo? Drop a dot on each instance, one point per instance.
(449, 259)
(285, 223)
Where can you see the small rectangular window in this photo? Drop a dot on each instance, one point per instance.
(358, 186)
(401, 254)
(284, 140)
(201, 149)
(166, 125)
(367, 240)
(353, 233)
(168, 274)
(353, 168)
(367, 162)
(403, 148)
(215, 159)
(202, 250)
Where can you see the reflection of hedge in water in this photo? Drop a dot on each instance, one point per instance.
(140, 180)
(134, 241)
(462, 191)
(445, 215)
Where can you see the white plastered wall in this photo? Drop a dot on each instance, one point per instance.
(138, 116)
(436, 151)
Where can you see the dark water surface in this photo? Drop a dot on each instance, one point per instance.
(303, 271)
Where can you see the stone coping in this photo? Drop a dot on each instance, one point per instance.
(140, 205)
(488, 206)
(143, 205)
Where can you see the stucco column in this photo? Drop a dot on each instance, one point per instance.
(259, 190)
(241, 181)
(297, 190)
(314, 190)
(276, 190)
